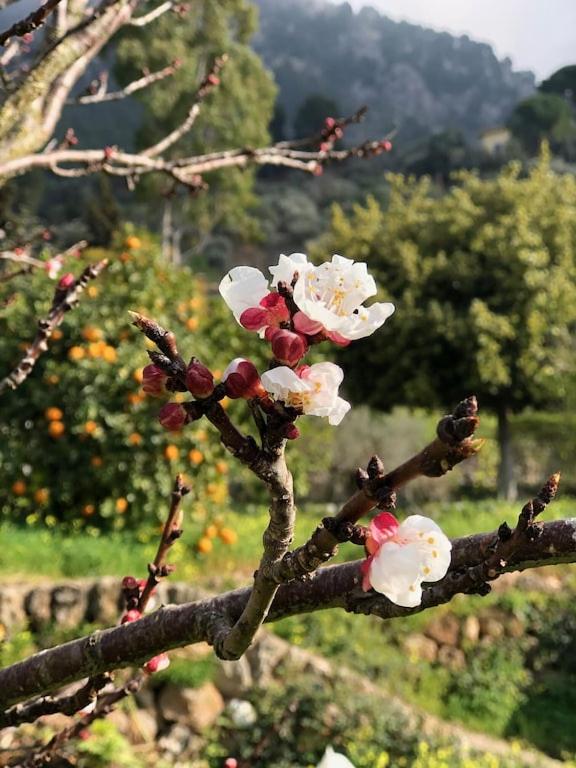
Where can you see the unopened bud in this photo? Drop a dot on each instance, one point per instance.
(241, 379)
(386, 145)
(130, 616)
(158, 663)
(329, 122)
(173, 417)
(129, 583)
(291, 432)
(288, 347)
(213, 79)
(66, 281)
(154, 381)
(199, 379)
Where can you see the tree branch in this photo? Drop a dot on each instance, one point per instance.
(64, 300)
(136, 85)
(30, 23)
(148, 18)
(336, 586)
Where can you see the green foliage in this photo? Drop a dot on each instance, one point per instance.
(298, 720)
(236, 114)
(105, 746)
(490, 688)
(561, 82)
(186, 672)
(93, 451)
(483, 278)
(545, 116)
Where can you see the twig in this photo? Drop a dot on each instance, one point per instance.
(30, 23)
(172, 531)
(64, 300)
(49, 705)
(148, 18)
(133, 87)
(210, 81)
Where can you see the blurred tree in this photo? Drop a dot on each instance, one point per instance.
(484, 282)
(238, 114)
(562, 82)
(545, 116)
(312, 113)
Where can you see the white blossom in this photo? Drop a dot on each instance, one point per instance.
(243, 288)
(332, 296)
(311, 389)
(403, 555)
(333, 759)
(288, 266)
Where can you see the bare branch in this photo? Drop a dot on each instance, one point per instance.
(148, 18)
(65, 298)
(136, 85)
(30, 23)
(211, 80)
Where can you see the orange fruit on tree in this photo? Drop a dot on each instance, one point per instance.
(19, 488)
(196, 456)
(228, 536)
(204, 545)
(56, 429)
(53, 414)
(171, 452)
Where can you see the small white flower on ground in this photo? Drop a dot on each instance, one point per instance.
(330, 298)
(242, 713)
(403, 555)
(311, 389)
(333, 759)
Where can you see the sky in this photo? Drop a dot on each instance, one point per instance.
(539, 35)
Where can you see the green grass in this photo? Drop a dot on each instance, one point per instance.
(37, 553)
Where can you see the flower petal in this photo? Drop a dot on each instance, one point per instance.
(243, 288)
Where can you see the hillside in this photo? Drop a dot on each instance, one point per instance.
(417, 79)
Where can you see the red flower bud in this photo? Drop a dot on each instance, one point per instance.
(172, 416)
(199, 379)
(254, 319)
(27, 38)
(66, 281)
(325, 146)
(329, 122)
(288, 347)
(158, 663)
(386, 145)
(291, 432)
(231, 762)
(154, 381)
(241, 379)
(129, 583)
(130, 616)
(213, 79)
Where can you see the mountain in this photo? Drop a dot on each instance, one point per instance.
(416, 79)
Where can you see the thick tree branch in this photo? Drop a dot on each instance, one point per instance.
(65, 298)
(337, 586)
(30, 23)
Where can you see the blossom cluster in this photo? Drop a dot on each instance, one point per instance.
(301, 305)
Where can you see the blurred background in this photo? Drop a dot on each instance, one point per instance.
(469, 226)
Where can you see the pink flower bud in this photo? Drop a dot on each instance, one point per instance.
(386, 145)
(172, 416)
(130, 616)
(157, 664)
(129, 583)
(329, 122)
(154, 381)
(291, 432)
(288, 347)
(325, 146)
(231, 762)
(27, 38)
(66, 281)
(254, 318)
(318, 169)
(241, 379)
(306, 326)
(199, 379)
(213, 79)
